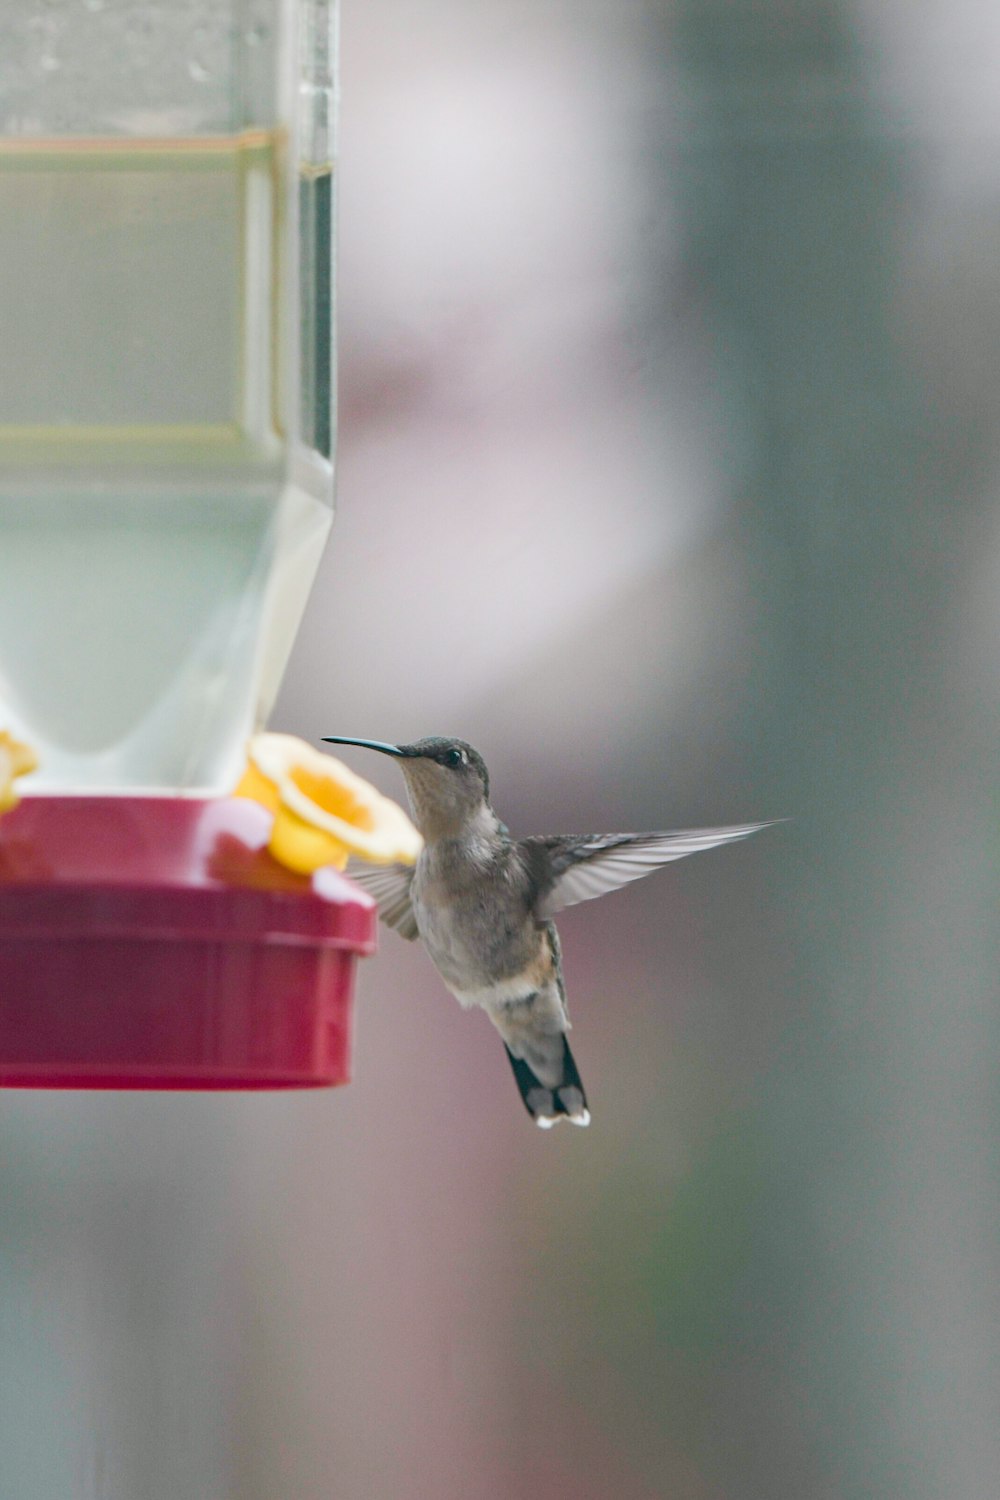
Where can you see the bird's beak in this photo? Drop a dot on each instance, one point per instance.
(339, 739)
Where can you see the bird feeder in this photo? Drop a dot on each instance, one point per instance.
(166, 491)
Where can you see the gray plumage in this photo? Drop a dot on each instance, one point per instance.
(482, 902)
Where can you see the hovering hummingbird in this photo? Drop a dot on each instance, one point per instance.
(483, 903)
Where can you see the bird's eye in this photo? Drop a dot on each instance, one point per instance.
(454, 757)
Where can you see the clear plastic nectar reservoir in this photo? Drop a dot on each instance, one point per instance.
(166, 383)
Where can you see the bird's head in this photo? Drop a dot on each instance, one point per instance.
(446, 780)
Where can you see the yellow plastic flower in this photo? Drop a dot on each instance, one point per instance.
(15, 760)
(323, 812)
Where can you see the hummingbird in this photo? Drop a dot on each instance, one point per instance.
(482, 902)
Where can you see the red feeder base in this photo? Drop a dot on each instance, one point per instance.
(152, 942)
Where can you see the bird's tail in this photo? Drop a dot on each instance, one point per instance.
(561, 1095)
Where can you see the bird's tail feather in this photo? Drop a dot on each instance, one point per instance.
(564, 1100)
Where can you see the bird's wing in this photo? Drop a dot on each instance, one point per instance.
(389, 885)
(568, 869)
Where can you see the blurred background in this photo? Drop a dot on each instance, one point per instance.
(669, 459)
